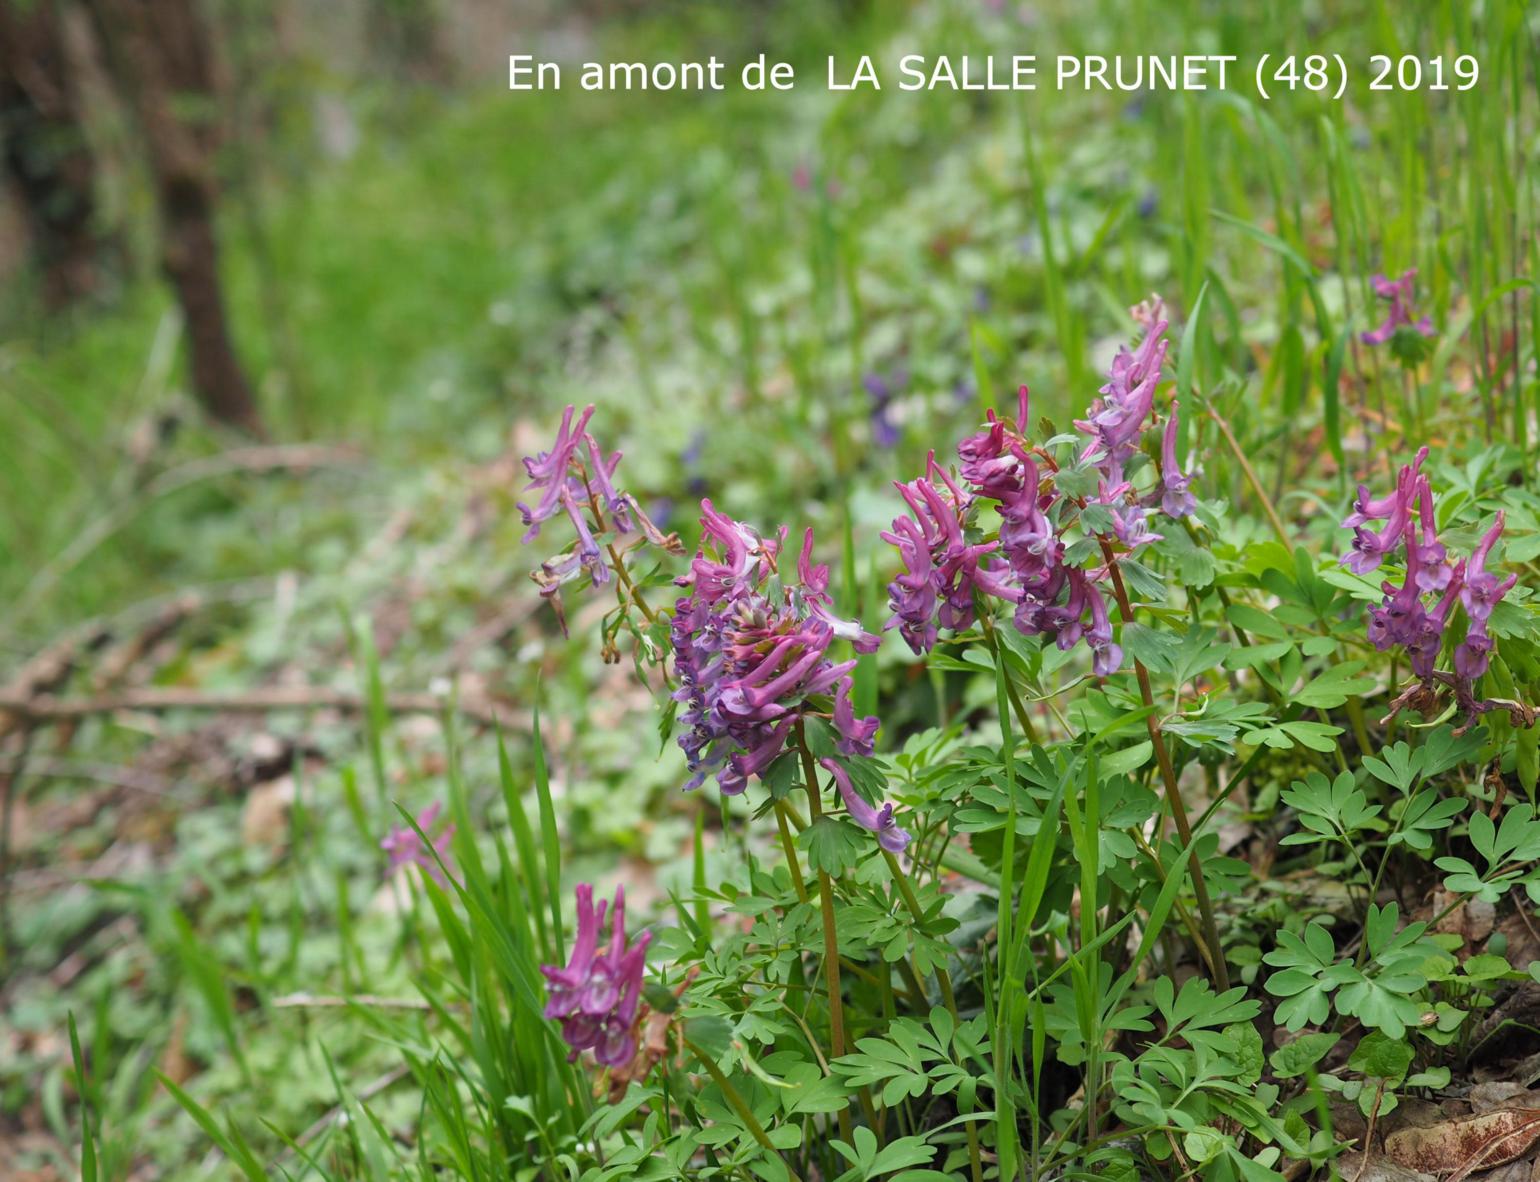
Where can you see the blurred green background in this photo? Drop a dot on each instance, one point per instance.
(780, 301)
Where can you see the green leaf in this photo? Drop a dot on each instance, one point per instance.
(1487, 967)
(1256, 622)
(1195, 566)
(1398, 765)
(1297, 1057)
(1244, 1049)
(1334, 686)
(1129, 759)
(1204, 1144)
(834, 845)
(1336, 809)
(710, 1033)
(1382, 1057)
(1423, 816)
(896, 1155)
(1154, 650)
(1317, 736)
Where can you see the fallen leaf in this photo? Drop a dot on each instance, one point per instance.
(1458, 1147)
(265, 817)
(1472, 920)
(1376, 1169)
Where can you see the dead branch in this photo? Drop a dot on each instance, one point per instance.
(318, 1001)
(44, 709)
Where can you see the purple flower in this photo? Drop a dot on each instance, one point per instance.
(577, 478)
(950, 562)
(406, 848)
(855, 734)
(596, 996)
(1433, 569)
(1176, 500)
(912, 594)
(1029, 540)
(1399, 315)
(879, 820)
(989, 463)
(1116, 419)
(1473, 654)
(1370, 547)
(1130, 523)
(942, 567)
(814, 596)
(752, 651)
(1402, 619)
(1108, 657)
(1424, 646)
(551, 472)
(1482, 589)
(882, 389)
(1367, 508)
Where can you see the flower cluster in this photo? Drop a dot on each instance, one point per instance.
(1405, 521)
(405, 847)
(576, 478)
(1404, 334)
(1029, 561)
(597, 995)
(752, 649)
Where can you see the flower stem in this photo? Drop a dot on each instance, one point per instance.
(739, 1105)
(948, 998)
(791, 852)
(1010, 683)
(831, 946)
(1355, 712)
(1215, 949)
(618, 565)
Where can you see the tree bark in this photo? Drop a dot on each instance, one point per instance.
(162, 58)
(46, 154)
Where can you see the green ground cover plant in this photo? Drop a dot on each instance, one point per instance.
(987, 720)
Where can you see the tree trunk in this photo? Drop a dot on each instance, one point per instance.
(162, 59)
(45, 150)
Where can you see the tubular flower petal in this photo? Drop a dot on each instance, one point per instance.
(551, 471)
(576, 478)
(856, 735)
(1482, 589)
(1109, 657)
(1433, 570)
(1176, 500)
(597, 994)
(878, 820)
(1370, 547)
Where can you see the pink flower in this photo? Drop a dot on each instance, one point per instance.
(576, 478)
(878, 820)
(1176, 500)
(751, 650)
(597, 994)
(406, 848)
(1399, 315)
